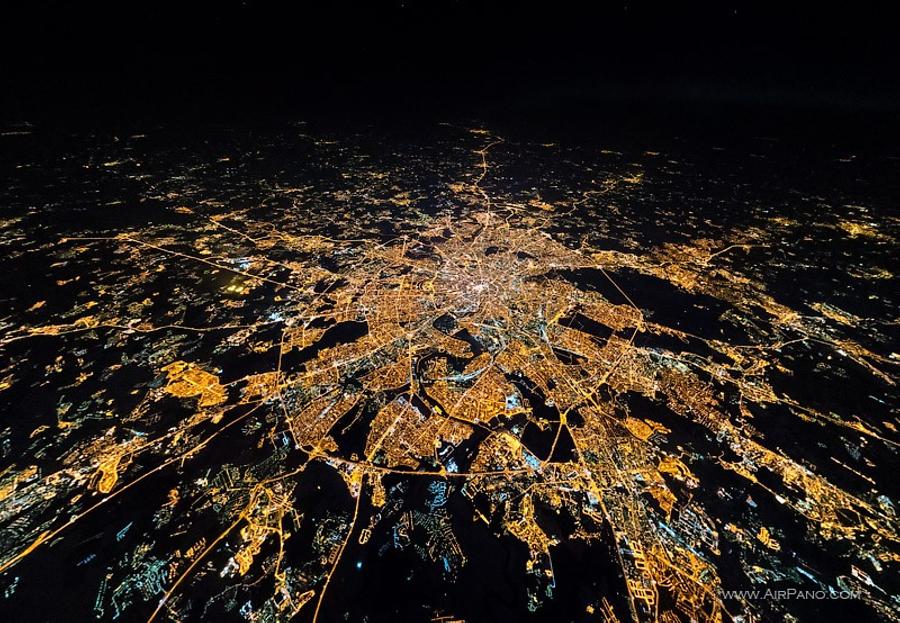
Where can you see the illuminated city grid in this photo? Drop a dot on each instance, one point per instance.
(489, 349)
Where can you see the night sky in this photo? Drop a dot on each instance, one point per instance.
(236, 59)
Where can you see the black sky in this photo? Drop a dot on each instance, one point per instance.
(226, 57)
